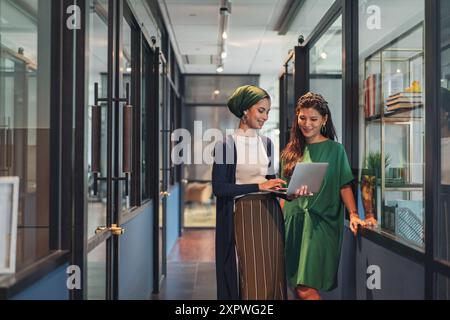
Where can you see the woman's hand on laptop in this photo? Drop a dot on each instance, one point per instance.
(273, 184)
(301, 192)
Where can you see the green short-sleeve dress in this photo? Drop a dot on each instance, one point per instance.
(314, 225)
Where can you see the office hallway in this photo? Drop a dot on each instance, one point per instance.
(110, 112)
(191, 268)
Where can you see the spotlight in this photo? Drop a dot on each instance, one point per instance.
(219, 69)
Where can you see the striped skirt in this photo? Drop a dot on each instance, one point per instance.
(259, 238)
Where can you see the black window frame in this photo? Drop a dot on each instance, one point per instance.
(136, 99)
(61, 159)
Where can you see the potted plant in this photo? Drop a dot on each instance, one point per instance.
(373, 162)
(370, 178)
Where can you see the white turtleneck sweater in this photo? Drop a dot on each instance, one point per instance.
(252, 160)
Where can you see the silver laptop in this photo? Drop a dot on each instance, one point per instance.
(305, 174)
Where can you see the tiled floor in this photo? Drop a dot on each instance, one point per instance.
(191, 272)
(191, 268)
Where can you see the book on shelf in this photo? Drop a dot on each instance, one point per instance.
(372, 87)
(404, 100)
(405, 95)
(404, 105)
(412, 97)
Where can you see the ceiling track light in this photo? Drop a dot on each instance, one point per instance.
(224, 13)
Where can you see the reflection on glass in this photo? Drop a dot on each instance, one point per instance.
(98, 68)
(445, 93)
(163, 178)
(25, 66)
(290, 95)
(145, 151)
(442, 216)
(96, 273)
(127, 70)
(326, 71)
(161, 123)
(392, 111)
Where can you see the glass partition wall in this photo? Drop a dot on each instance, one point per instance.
(25, 119)
(443, 219)
(442, 215)
(325, 71)
(205, 108)
(392, 124)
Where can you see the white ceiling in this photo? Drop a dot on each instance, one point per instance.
(253, 46)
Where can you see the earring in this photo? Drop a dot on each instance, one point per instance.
(323, 130)
(245, 117)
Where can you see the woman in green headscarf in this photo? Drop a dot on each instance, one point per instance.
(250, 226)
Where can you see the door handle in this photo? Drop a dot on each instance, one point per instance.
(9, 146)
(96, 139)
(5, 147)
(100, 229)
(127, 134)
(164, 194)
(114, 229)
(96, 118)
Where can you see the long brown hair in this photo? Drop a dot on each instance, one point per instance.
(294, 150)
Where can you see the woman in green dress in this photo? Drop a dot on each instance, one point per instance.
(314, 225)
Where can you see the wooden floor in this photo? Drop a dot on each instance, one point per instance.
(191, 269)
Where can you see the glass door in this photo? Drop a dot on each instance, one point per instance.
(164, 171)
(110, 81)
(98, 145)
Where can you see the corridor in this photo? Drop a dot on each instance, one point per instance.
(110, 111)
(191, 268)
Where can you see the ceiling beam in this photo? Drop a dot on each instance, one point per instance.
(286, 19)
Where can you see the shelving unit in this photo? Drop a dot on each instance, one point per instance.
(397, 136)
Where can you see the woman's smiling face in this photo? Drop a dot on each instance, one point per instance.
(258, 114)
(310, 122)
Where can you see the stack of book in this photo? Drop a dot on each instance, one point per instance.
(404, 100)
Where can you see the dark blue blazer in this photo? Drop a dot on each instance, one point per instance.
(225, 189)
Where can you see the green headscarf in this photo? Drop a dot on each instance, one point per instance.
(244, 98)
